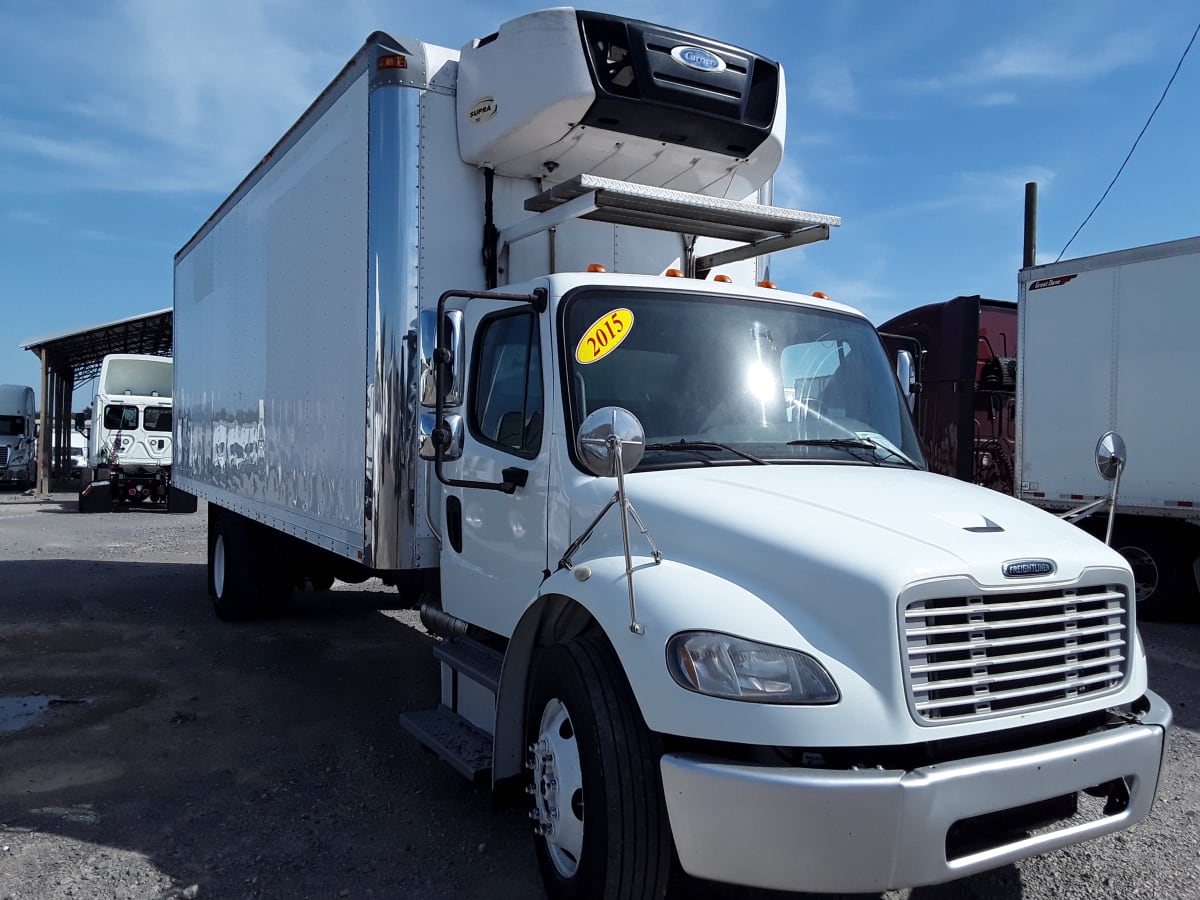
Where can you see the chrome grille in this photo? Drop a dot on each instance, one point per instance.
(976, 657)
(3, 456)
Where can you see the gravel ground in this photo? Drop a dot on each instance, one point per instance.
(151, 752)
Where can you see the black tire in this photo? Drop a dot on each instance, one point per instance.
(231, 572)
(1162, 570)
(321, 580)
(595, 763)
(276, 572)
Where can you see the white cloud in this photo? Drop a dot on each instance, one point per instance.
(830, 84)
(29, 217)
(976, 191)
(1068, 56)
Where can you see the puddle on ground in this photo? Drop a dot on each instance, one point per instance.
(17, 713)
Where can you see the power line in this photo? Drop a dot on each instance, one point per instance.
(1171, 81)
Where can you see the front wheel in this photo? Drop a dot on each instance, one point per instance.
(600, 821)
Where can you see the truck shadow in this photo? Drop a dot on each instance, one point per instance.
(260, 759)
(254, 760)
(999, 884)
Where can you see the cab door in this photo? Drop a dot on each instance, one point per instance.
(493, 554)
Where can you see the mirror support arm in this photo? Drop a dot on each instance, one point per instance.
(619, 498)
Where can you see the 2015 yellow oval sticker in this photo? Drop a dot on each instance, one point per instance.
(604, 336)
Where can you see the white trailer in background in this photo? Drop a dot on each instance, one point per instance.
(696, 591)
(18, 435)
(1109, 342)
(130, 447)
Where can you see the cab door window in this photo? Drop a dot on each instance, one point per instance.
(506, 405)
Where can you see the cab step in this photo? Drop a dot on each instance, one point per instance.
(466, 748)
(460, 729)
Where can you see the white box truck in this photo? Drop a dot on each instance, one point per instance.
(1111, 345)
(130, 446)
(18, 435)
(694, 586)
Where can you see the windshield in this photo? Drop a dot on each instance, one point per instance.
(717, 379)
(157, 418)
(11, 426)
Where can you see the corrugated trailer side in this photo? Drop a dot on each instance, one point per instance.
(1108, 343)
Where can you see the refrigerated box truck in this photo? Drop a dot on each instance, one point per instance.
(499, 324)
(1108, 342)
(18, 435)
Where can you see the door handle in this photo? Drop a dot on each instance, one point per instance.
(514, 478)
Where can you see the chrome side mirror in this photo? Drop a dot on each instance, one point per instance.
(611, 441)
(453, 374)
(906, 374)
(1110, 455)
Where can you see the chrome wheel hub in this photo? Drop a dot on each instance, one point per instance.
(557, 788)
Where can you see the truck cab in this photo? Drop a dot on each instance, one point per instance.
(18, 436)
(130, 446)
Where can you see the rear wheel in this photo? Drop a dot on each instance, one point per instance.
(321, 580)
(600, 821)
(230, 567)
(1162, 570)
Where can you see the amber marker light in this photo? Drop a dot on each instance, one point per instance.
(596, 267)
(673, 273)
(392, 62)
(768, 284)
(724, 279)
(820, 295)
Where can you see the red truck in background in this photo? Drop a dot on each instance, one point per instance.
(965, 351)
(1013, 395)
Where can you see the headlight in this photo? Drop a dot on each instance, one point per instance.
(724, 666)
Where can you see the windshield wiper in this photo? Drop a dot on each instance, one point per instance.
(701, 446)
(854, 444)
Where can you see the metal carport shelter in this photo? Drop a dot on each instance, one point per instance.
(70, 359)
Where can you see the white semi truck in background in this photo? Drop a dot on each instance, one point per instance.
(130, 446)
(502, 339)
(1109, 342)
(18, 435)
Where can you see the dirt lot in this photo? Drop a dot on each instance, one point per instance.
(148, 750)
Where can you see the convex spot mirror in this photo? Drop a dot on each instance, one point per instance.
(1110, 455)
(428, 444)
(608, 438)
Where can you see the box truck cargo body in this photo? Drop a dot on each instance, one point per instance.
(496, 328)
(18, 435)
(1108, 343)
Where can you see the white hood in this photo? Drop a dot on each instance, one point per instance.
(890, 526)
(822, 558)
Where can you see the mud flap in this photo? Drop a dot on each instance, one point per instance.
(96, 497)
(179, 501)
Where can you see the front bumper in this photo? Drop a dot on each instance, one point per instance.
(873, 830)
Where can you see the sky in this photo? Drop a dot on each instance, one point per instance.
(125, 123)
